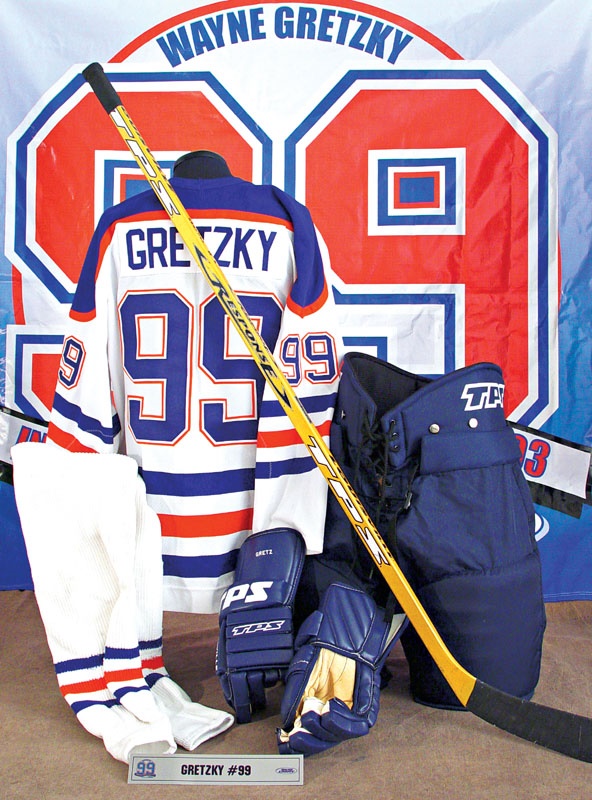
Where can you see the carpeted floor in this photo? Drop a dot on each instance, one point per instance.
(413, 752)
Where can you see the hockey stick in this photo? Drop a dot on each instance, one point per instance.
(552, 728)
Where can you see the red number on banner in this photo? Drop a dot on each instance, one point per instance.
(536, 465)
(534, 456)
(423, 195)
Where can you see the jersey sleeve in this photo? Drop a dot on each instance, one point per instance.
(290, 490)
(84, 417)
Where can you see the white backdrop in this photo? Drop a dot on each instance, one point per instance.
(485, 102)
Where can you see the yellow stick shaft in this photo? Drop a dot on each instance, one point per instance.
(461, 682)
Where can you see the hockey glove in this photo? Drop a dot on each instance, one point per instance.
(333, 684)
(256, 641)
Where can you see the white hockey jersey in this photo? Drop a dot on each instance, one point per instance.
(152, 367)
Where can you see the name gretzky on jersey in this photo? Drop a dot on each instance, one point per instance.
(152, 366)
(234, 245)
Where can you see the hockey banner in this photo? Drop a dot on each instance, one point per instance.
(442, 159)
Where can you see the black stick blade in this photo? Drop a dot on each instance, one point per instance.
(552, 728)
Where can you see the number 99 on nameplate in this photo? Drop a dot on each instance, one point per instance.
(253, 770)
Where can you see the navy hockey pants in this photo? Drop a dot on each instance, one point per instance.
(437, 467)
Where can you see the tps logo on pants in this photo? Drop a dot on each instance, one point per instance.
(483, 395)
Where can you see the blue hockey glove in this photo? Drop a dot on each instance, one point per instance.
(256, 641)
(333, 683)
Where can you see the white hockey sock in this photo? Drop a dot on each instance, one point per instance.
(119, 527)
(76, 588)
(192, 723)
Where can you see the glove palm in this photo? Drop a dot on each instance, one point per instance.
(333, 683)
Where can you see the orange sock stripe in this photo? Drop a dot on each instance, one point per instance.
(153, 663)
(83, 687)
(124, 675)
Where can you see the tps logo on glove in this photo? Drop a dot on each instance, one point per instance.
(258, 627)
(241, 592)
